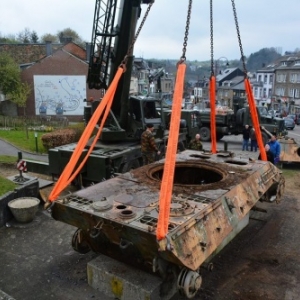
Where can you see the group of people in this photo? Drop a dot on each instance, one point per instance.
(150, 150)
(249, 135)
(272, 147)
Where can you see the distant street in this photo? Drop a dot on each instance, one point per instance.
(234, 142)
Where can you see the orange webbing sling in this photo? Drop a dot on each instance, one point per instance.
(254, 118)
(212, 93)
(66, 177)
(170, 160)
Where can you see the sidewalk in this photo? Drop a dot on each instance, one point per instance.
(9, 149)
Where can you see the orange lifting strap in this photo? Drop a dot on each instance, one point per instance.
(170, 160)
(66, 177)
(212, 93)
(249, 92)
(254, 117)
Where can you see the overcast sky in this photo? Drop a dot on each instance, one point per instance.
(262, 23)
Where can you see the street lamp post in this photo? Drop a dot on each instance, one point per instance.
(36, 142)
(217, 64)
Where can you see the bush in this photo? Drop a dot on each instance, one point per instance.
(59, 137)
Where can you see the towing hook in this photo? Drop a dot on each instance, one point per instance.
(124, 244)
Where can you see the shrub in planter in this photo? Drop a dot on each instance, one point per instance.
(59, 137)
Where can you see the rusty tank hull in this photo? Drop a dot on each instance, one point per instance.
(290, 150)
(212, 197)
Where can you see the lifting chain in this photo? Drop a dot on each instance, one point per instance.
(129, 51)
(211, 40)
(239, 37)
(186, 34)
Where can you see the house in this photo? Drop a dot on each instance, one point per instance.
(58, 83)
(278, 84)
(225, 86)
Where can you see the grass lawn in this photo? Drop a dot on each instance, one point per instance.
(6, 185)
(20, 139)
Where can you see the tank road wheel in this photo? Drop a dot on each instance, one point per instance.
(205, 134)
(79, 244)
(189, 282)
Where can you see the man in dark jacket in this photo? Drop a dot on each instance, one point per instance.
(246, 137)
(148, 146)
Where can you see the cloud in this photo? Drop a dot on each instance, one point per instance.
(266, 23)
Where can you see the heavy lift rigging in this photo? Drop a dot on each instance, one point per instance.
(118, 149)
(205, 206)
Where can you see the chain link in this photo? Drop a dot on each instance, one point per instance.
(186, 34)
(211, 40)
(129, 51)
(239, 37)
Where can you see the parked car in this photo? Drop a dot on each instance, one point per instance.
(295, 117)
(289, 123)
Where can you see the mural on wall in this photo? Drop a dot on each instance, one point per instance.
(59, 95)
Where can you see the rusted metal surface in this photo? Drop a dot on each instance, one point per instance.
(212, 197)
(290, 150)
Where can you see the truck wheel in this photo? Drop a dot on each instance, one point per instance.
(205, 134)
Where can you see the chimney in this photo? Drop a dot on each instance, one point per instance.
(48, 48)
(88, 47)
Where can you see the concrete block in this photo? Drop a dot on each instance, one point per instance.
(118, 280)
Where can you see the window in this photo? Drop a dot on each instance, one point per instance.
(269, 93)
(266, 79)
(281, 77)
(280, 91)
(294, 93)
(271, 79)
(293, 77)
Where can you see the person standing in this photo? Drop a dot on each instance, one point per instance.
(195, 144)
(270, 155)
(246, 137)
(148, 146)
(253, 145)
(275, 148)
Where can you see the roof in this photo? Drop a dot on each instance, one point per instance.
(26, 54)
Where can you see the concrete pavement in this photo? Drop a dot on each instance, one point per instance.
(8, 149)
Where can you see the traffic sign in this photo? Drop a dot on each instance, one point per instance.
(21, 165)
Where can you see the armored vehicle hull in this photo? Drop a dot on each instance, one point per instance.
(212, 197)
(290, 151)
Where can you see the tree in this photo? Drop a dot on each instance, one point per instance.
(48, 37)
(10, 81)
(24, 36)
(20, 94)
(9, 39)
(67, 33)
(9, 74)
(262, 58)
(34, 37)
